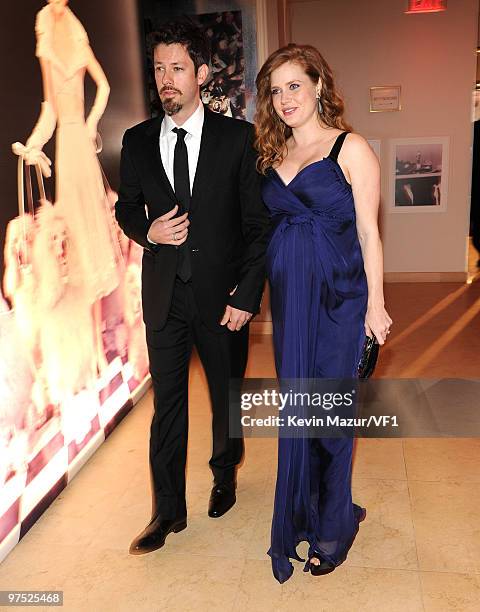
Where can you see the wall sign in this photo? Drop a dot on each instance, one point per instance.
(385, 98)
(426, 6)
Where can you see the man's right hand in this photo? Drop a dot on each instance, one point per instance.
(169, 230)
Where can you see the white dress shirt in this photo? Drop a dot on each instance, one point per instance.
(168, 138)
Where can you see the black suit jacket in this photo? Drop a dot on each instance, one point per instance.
(229, 223)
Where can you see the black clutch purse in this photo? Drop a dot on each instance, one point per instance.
(368, 359)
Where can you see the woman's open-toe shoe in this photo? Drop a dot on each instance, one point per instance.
(322, 568)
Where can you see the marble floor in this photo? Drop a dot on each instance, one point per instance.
(419, 548)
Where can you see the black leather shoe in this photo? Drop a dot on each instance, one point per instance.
(222, 499)
(154, 534)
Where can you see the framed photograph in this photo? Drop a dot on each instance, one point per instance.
(385, 98)
(419, 174)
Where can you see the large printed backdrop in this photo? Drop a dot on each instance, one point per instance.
(58, 401)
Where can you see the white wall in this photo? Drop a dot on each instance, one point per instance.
(432, 57)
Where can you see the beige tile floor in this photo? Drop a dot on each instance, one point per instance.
(419, 548)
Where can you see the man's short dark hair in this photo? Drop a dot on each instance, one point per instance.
(183, 32)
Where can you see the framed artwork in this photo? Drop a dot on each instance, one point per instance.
(376, 146)
(385, 98)
(419, 174)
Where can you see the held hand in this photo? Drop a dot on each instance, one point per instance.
(235, 319)
(378, 321)
(169, 230)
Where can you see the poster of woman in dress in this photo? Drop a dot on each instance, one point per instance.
(71, 329)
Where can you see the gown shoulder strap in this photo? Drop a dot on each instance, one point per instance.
(337, 145)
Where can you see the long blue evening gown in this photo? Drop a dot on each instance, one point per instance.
(318, 299)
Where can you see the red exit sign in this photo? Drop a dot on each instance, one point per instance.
(426, 6)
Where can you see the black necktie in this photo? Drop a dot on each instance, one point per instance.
(181, 181)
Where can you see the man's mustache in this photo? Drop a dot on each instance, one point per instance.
(164, 89)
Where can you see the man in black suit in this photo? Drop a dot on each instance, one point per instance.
(190, 195)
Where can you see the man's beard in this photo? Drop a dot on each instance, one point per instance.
(171, 106)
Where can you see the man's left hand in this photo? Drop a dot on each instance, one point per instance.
(235, 319)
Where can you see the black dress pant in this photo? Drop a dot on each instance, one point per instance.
(223, 356)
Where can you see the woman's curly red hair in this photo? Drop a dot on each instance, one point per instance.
(271, 131)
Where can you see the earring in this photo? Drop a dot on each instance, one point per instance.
(320, 107)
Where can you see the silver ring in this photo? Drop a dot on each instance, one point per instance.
(174, 236)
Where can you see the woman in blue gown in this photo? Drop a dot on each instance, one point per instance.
(321, 185)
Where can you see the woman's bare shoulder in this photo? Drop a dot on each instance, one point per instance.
(355, 141)
(356, 146)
